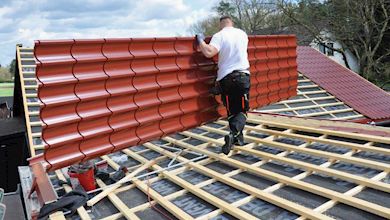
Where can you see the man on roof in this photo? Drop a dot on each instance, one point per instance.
(233, 79)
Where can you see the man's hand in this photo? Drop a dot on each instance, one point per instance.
(208, 50)
(199, 38)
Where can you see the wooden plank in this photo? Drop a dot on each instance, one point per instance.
(57, 216)
(113, 217)
(183, 191)
(81, 211)
(307, 166)
(246, 188)
(307, 99)
(234, 211)
(353, 117)
(365, 137)
(309, 86)
(33, 113)
(327, 171)
(168, 205)
(33, 88)
(28, 126)
(204, 162)
(307, 107)
(119, 204)
(115, 186)
(33, 104)
(31, 95)
(28, 59)
(36, 123)
(351, 192)
(39, 147)
(315, 123)
(29, 66)
(168, 197)
(334, 156)
(307, 138)
(27, 49)
(30, 79)
(349, 200)
(329, 112)
(29, 72)
(311, 93)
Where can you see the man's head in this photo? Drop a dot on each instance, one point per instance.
(225, 21)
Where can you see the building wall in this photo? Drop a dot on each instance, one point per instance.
(352, 61)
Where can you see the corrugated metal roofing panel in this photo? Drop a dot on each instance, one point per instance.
(349, 87)
(100, 96)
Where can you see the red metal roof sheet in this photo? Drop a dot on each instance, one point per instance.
(349, 87)
(100, 96)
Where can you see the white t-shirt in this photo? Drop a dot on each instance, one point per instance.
(232, 45)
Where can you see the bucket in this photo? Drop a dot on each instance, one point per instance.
(85, 178)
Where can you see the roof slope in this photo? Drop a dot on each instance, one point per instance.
(312, 101)
(349, 87)
(290, 168)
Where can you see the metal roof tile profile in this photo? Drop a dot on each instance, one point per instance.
(104, 95)
(312, 101)
(349, 87)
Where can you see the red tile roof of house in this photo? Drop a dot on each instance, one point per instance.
(346, 85)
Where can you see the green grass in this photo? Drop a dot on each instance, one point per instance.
(6, 89)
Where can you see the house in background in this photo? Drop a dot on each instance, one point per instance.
(334, 55)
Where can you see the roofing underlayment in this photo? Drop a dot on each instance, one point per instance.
(100, 96)
(291, 168)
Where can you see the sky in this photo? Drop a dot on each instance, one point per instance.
(23, 21)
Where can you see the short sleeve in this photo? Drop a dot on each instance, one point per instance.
(216, 41)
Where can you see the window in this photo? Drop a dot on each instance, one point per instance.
(322, 48)
(329, 51)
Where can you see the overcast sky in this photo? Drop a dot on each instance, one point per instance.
(23, 21)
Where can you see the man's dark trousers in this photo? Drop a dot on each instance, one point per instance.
(235, 96)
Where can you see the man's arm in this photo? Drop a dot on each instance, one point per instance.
(207, 50)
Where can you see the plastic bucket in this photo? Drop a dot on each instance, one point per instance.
(86, 179)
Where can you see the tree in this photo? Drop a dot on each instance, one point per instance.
(359, 26)
(250, 15)
(208, 26)
(5, 75)
(12, 67)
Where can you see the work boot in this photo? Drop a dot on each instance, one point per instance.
(239, 139)
(229, 139)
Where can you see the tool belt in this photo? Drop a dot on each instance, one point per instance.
(236, 73)
(235, 92)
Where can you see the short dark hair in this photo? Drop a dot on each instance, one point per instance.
(225, 17)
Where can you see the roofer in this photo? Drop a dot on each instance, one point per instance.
(233, 79)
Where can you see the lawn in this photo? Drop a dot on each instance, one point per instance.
(6, 89)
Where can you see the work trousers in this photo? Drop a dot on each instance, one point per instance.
(235, 96)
